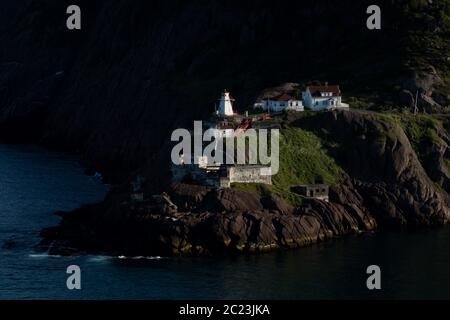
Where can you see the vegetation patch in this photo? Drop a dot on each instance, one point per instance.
(303, 160)
(421, 129)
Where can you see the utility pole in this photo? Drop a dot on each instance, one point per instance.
(416, 110)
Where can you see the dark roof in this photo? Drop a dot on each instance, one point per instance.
(316, 91)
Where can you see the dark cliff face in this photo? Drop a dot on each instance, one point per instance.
(114, 90)
(385, 185)
(396, 187)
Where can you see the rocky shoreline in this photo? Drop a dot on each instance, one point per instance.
(114, 92)
(219, 222)
(385, 185)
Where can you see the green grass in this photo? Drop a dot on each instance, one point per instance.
(421, 128)
(357, 103)
(303, 160)
(421, 131)
(261, 189)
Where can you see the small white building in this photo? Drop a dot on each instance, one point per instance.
(280, 103)
(226, 105)
(323, 97)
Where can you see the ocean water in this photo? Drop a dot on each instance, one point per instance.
(35, 183)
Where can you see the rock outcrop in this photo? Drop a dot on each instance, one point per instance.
(384, 186)
(222, 222)
(385, 169)
(115, 90)
(423, 85)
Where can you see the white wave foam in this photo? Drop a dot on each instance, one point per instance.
(100, 258)
(43, 255)
(139, 258)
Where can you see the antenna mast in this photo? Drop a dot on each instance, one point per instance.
(415, 104)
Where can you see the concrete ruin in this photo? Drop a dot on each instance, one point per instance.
(316, 191)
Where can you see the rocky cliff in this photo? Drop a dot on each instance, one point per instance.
(386, 171)
(384, 186)
(114, 90)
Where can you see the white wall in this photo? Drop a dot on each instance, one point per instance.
(279, 106)
(296, 105)
(321, 103)
(250, 174)
(324, 103)
(225, 106)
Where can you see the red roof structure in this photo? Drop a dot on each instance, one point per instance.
(316, 91)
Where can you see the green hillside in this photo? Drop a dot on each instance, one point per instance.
(303, 160)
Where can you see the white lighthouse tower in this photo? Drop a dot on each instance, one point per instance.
(225, 106)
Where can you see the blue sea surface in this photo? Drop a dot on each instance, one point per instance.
(35, 183)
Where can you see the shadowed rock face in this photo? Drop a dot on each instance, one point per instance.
(234, 222)
(385, 169)
(385, 186)
(423, 85)
(115, 90)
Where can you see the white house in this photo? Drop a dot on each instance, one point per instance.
(280, 103)
(225, 105)
(323, 97)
